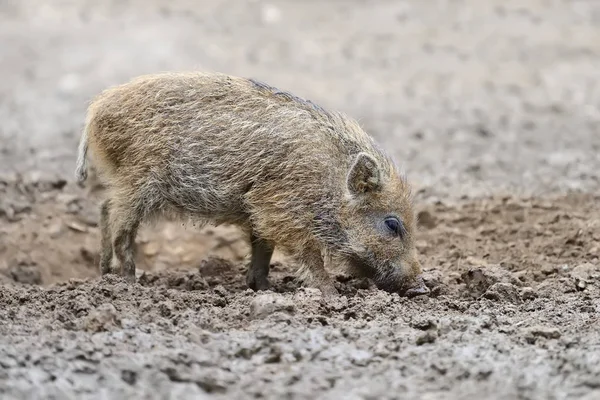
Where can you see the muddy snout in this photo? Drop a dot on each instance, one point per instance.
(417, 288)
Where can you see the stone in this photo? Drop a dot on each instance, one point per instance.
(584, 274)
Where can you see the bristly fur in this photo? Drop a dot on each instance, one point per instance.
(81, 172)
(224, 149)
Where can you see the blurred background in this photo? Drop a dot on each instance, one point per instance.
(472, 97)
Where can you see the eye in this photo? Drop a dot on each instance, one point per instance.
(395, 226)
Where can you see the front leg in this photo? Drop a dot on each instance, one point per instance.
(258, 271)
(313, 273)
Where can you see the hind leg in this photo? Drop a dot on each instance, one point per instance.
(125, 220)
(106, 248)
(258, 271)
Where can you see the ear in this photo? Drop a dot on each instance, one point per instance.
(364, 175)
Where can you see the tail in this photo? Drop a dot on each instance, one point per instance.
(81, 171)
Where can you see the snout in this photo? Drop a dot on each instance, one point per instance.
(403, 286)
(391, 278)
(419, 288)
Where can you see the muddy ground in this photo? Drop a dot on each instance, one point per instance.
(493, 110)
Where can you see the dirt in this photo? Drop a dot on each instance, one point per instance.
(492, 108)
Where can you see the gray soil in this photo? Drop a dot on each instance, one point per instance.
(491, 107)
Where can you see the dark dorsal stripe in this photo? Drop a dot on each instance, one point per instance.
(289, 96)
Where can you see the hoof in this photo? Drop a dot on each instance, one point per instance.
(258, 284)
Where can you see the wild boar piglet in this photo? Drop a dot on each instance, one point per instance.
(221, 149)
